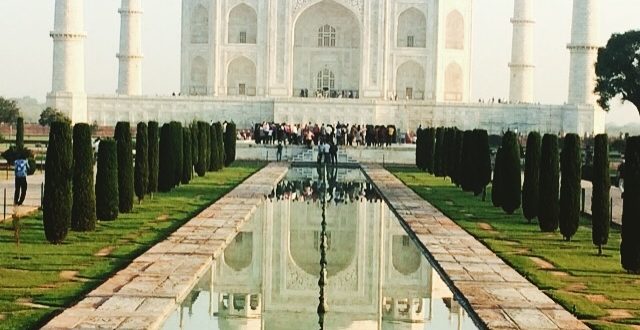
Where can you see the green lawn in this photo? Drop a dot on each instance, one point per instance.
(37, 280)
(595, 288)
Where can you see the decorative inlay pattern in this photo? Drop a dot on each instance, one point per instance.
(358, 5)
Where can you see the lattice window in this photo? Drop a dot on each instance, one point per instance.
(327, 36)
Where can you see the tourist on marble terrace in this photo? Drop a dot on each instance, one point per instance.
(341, 134)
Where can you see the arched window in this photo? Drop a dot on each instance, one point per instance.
(453, 83)
(243, 25)
(200, 25)
(326, 81)
(455, 31)
(412, 29)
(327, 36)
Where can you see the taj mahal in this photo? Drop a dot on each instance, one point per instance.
(401, 62)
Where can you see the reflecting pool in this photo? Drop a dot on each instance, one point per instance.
(274, 275)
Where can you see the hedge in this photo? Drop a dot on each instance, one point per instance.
(83, 212)
(57, 199)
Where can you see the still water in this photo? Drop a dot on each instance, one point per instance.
(274, 276)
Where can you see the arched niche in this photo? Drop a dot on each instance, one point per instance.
(241, 77)
(200, 25)
(453, 83)
(455, 31)
(410, 81)
(243, 25)
(412, 29)
(239, 254)
(199, 70)
(405, 256)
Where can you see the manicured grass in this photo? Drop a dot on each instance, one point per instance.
(38, 272)
(593, 287)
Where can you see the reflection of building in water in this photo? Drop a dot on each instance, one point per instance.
(268, 276)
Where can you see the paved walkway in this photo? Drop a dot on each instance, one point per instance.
(143, 295)
(497, 294)
(31, 203)
(616, 199)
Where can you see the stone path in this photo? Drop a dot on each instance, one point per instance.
(144, 294)
(499, 296)
(31, 202)
(616, 198)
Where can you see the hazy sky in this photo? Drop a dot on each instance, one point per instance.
(26, 49)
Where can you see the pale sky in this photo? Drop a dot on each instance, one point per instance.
(26, 48)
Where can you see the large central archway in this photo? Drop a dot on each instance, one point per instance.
(327, 38)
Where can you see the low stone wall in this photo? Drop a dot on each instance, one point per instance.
(498, 295)
(145, 293)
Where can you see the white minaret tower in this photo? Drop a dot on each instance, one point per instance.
(67, 90)
(584, 51)
(130, 55)
(521, 87)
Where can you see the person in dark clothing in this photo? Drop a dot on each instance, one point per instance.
(333, 150)
(279, 152)
(21, 168)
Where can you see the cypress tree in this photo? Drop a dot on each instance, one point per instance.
(107, 196)
(451, 153)
(549, 205)
(195, 149)
(167, 164)
(57, 199)
(439, 151)
(511, 173)
(20, 133)
(230, 144)
(201, 166)
(496, 186)
(220, 148)
(141, 175)
(153, 134)
(466, 166)
(125, 166)
(530, 187)
(458, 158)
(83, 214)
(188, 162)
(630, 245)
(430, 147)
(570, 169)
(601, 190)
(482, 161)
(213, 149)
(178, 152)
(420, 151)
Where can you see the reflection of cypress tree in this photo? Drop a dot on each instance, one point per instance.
(57, 199)
(601, 191)
(125, 166)
(549, 207)
(188, 162)
(141, 173)
(531, 188)
(630, 246)
(107, 196)
(83, 216)
(153, 134)
(570, 168)
(167, 164)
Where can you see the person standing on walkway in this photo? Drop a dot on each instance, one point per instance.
(279, 152)
(21, 168)
(333, 150)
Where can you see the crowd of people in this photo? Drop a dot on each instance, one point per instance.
(314, 134)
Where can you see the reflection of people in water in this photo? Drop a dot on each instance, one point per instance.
(336, 191)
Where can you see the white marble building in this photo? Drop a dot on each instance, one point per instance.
(403, 62)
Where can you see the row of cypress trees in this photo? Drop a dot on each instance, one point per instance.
(164, 159)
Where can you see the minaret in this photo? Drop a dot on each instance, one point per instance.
(521, 87)
(584, 51)
(67, 89)
(130, 55)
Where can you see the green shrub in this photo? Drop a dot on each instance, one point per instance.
(601, 191)
(496, 185)
(230, 144)
(531, 187)
(630, 246)
(549, 207)
(125, 166)
(187, 167)
(20, 133)
(83, 215)
(203, 133)
(570, 190)
(153, 133)
(57, 199)
(167, 164)
(141, 175)
(511, 175)
(107, 195)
